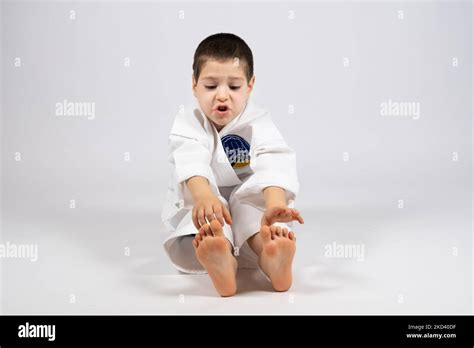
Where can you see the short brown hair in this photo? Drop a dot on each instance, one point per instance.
(223, 46)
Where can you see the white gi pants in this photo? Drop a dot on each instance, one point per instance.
(245, 223)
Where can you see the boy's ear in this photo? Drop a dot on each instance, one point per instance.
(193, 84)
(250, 84)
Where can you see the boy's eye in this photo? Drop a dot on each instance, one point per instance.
(231, 87)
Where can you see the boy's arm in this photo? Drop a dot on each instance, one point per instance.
(276, 208)
(274, 196)
(199, 187)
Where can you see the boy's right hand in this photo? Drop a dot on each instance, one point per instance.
(210, 207)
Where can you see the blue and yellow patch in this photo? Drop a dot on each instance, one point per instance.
(237, 150)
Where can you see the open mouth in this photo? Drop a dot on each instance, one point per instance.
(222, 110)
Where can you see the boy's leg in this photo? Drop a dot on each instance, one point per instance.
(215, 253)
(275, 247)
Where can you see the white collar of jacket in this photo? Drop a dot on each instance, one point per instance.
(249, 113)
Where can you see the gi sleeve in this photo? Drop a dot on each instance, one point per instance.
(190, 154)
(273, 163)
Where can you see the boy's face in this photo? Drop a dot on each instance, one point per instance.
(222, 90)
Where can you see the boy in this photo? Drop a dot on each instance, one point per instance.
(235, 179)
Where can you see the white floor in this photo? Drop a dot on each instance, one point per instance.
(409, 264)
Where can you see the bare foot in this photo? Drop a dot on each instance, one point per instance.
(277, 256)
(214, 252)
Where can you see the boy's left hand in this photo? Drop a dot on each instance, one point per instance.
(280, 214)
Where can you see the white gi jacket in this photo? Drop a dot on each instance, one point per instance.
(248, 152)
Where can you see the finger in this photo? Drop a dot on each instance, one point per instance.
(209, 213)
(279, 211)
(226, 214)
(282, 215)
(287, 213)
(296, 215)
(195, 219)
(218, 214)
(282, 219)
(299, 218)
(201, 219)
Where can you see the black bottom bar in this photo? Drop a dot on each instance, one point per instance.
(288, 330)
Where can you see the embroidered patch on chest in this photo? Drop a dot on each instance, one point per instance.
(237, 150)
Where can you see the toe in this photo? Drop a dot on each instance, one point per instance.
(285, 232)
(216, 228)
(195, 244)
(273, 231)
(278, 231)
(292, 236)
(265, 234)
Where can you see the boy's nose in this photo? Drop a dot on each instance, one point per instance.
(221, 94)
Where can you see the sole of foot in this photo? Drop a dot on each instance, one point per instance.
(277, 255)
(214, 253)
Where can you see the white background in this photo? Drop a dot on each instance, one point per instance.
(418, 259)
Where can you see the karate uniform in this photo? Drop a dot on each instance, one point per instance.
(246, 156)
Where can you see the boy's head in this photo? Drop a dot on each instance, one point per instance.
(223, 77)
